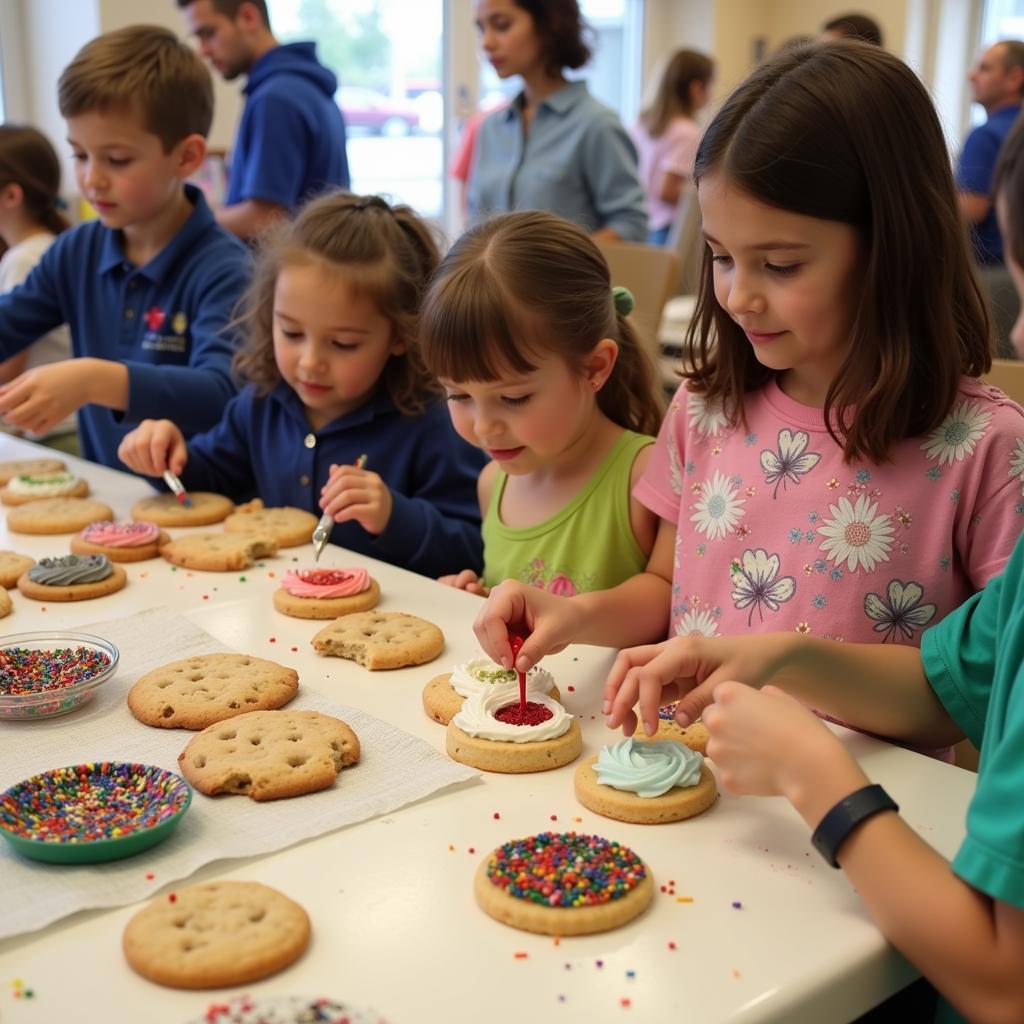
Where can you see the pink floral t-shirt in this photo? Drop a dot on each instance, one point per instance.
(775, 532)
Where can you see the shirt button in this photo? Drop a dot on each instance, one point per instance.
(133, 284)
(304, 480)
(310, 441)
(129, 314)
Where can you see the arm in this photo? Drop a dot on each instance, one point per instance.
(969, 944)
(250, 218)
(671, 188)
(974, 174)
(609, 165)
(467, 579)
(13, 367)
(635, 611)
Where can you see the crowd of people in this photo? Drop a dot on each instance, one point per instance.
(828, 510)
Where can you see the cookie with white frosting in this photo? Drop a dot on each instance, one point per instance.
(445, 694)
(33, 486)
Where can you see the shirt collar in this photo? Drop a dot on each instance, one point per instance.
(199, 220)
(561, 101)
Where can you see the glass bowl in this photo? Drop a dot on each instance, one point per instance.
(48, 674)
(85, 813)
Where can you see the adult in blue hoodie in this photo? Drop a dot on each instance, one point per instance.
(291, 139)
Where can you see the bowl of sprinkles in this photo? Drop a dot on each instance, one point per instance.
(48, 674)
(86, 813)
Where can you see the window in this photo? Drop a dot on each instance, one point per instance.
(1003, 19)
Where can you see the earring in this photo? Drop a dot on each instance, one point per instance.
(596, 385)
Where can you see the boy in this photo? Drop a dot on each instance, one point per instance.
(150, 287)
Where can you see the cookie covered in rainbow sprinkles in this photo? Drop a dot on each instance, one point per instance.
(326, 593)
(694, 735)
(72, 578)
(120, 542)
(563, 883)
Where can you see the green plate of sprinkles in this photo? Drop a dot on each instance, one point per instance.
(85, 813)
(47, 674)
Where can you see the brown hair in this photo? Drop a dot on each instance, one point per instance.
(672, 98)
(1008, 189)
(143, 68)
(229, 8)
(562, 32)
(384, 252)
(818, 130)
(27, 159)
(855, 26)
(525, 283)
(1012, 56)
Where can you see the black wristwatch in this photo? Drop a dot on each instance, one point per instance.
(836, 826)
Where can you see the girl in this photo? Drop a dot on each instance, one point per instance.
(666, 137)
(29, 222)
(545, 374)
(334, 372)
(832, 466)
(555, 147)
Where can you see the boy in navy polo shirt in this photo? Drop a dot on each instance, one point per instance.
(149, 288)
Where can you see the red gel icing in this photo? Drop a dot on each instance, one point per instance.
(515, 641)
(513, 714)
(325, 577)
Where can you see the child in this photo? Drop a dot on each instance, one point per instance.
(963, 928)
(832, 466)
(544, 373)
(29, 223)
(666, 136)
(334, 373)
(148, 288)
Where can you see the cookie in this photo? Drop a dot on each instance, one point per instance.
(248, 1009)
(197, 692)
(166, 510)
(72, 578)
(381, 640)
(5, 604)
(326, 593)
(561, 883)
(28, 467)
(269, 755)
(56, 515)
(290, 527)
(646, 783)
(218, 552)
(216, 935)
(12, 565)
(487, 734)
(694, 736)
(444, 695)
(120, 542)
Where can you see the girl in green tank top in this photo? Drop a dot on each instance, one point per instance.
(544, 372)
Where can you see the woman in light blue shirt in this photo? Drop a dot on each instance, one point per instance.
(555, 147)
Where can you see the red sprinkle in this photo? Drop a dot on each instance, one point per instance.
(534, 714)
(472, 849)
(671, 945)
(273, 640)
(571, 689)
(495, 815)
(172, 897)
(624, 1001)
(150, 876)
(521, 955)
(554, 817)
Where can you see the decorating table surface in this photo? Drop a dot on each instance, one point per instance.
(748, 923)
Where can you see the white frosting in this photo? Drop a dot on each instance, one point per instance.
(47, 485)
(476, 718)
(471, 677)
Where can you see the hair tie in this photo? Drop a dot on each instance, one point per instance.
(623, 299)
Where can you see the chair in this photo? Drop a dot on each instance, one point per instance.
(649, 272)
(1008, 376)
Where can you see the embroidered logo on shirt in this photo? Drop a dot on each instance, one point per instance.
(155, 318)
(179, 323)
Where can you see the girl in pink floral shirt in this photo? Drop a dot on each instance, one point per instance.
(830, 464)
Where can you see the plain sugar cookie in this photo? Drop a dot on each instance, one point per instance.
(381, 640)
(166, 510)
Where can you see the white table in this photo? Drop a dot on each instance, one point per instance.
(395, 923)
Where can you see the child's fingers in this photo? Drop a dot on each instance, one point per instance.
(624, 661)
(505, 605)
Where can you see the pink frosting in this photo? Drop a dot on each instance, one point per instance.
(120, 535)
(324, 583)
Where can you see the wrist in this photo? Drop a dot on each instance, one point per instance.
(825, 774)
(846, 816)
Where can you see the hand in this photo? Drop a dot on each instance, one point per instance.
(354, 493)
(766, 743)
(466, 580)
(38, 399)
(549, 621)
(685, 669)
(153, 447)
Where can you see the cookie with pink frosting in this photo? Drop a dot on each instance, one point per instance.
(326, 593)
(120, 542)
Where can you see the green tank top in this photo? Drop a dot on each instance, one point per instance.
(588, 545)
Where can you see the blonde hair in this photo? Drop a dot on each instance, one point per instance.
(143, 68)
(524, 283)
(385, 252)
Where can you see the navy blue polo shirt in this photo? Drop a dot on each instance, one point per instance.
(165, 321)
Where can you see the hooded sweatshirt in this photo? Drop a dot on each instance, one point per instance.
(291, 138)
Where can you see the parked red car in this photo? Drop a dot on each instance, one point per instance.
(380, 114)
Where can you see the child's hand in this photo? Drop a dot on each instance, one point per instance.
(550, 622)
(359, 494)
(40, 398)
(766, 743)
(153, 447)
(685, 669)
(466, 580)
